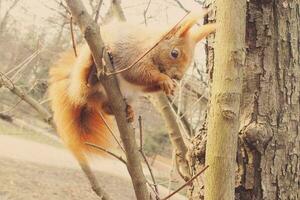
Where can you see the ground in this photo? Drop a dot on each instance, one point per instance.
(25, 180)
(35, 168)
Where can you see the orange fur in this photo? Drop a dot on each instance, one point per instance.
(76, 116)
(76, 103)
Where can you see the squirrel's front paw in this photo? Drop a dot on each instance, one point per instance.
(167, 85)
(129, 113)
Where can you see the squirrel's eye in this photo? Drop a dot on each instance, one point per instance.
(175, 53)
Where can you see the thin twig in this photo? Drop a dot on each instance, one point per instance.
(191, 107)
(24, 62)
(98, 11)
(141, 132)
(171, 171)
(20, 100)
(145, 12)
(162, 104)
(11, 108)
(5, 81)
(111, 131)
(45, 101)
(62, 14)
(106, 151)
(200, 2)
(93, 181)
(181, 6)
(179, 99)
(167, 35)
(151, 174)
(72, 36)
(185, 184)
(145, 158)
(64, 6)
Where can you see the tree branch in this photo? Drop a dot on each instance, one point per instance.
(162, 105)
(98, 11)
(93, 181)
(72, 36)
(145, 12)
(106, 151)
(181, 6)
(185, 184)
(92, 35)
(5, 81)
(145, 158)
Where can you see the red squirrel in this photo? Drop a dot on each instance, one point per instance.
(77, 102)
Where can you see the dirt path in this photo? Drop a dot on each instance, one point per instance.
(34, 171)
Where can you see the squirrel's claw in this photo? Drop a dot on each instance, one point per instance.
(167, 85)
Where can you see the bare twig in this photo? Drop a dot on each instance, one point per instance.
(141, 132)
(191, 107)
(72, 36)
(198, 94)
(62, 14)
(111, 131)
(4, 20)
(162, 105)
(171, 171)
(145, 12)
(185, 184)
(181, 6)
(179, 99)
(11, 108)
(98, 11)
(16, 104)
(186, 126)
(60, 3)
(145, 158)
(201, 2)
(106, 151)
(4, 80)
(93, 181)
(45, 101)
(24, 63)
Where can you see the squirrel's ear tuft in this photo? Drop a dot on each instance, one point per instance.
(203, 32)
(190, 20)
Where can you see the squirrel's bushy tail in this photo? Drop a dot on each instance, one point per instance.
(76, 123)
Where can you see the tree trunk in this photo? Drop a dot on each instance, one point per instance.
(226, 92)
(269, 146)
(269, 152)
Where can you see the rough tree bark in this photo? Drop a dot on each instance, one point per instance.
(269, 146)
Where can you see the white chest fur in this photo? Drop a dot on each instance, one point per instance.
(130, 91)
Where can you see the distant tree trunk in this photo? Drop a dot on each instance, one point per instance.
(268, 157)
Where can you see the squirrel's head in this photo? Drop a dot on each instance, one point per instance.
(175, 52)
